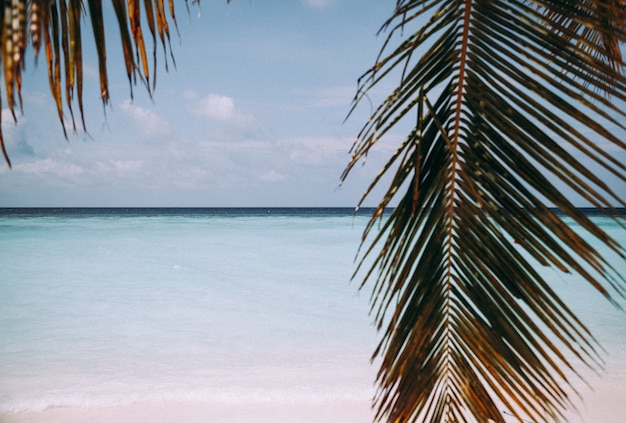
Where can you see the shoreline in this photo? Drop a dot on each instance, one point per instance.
(344, 411)
(604, 404)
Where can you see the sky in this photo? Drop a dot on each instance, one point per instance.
(252, 115)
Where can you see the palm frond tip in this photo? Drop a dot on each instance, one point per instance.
(57, 27)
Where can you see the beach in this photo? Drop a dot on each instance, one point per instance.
(224, 317)
(605, 404)
(204, 412)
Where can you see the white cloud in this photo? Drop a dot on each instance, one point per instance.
(221, 108)
(50, 167)
(126, 165)
(216, 106)
(148, 122)
(317, 150)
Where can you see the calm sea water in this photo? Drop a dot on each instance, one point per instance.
(112, 307)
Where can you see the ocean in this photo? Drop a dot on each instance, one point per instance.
(104, 309)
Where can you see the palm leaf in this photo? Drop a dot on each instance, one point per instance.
(502, 92)
(57, 27)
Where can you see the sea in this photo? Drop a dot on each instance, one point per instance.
(105, 308)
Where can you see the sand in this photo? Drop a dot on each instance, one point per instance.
(191, 412)
(607, 404)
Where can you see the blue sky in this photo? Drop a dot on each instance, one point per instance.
(253, 115)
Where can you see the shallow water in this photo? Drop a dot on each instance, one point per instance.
(112, 308)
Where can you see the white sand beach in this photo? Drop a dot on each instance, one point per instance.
(196, 412)
(607, 404)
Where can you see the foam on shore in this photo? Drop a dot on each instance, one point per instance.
(606, 405)
(190, 412)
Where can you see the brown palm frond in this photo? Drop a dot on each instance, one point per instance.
(56, 26)
(595, 31)
(468, 322)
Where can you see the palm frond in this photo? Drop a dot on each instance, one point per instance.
(56, 26)
(503, 93)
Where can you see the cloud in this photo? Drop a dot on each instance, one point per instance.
(125, 166)
(216, 106)
(272, 176)
(317, 150)
(50, 167)
(221, 108)
(318, 4)
(148, 122)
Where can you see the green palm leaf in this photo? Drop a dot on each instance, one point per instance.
(502, 92)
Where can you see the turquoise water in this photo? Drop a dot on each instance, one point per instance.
(101, 307)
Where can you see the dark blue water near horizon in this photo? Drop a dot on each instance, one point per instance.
(228, 211)
(183, 211)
